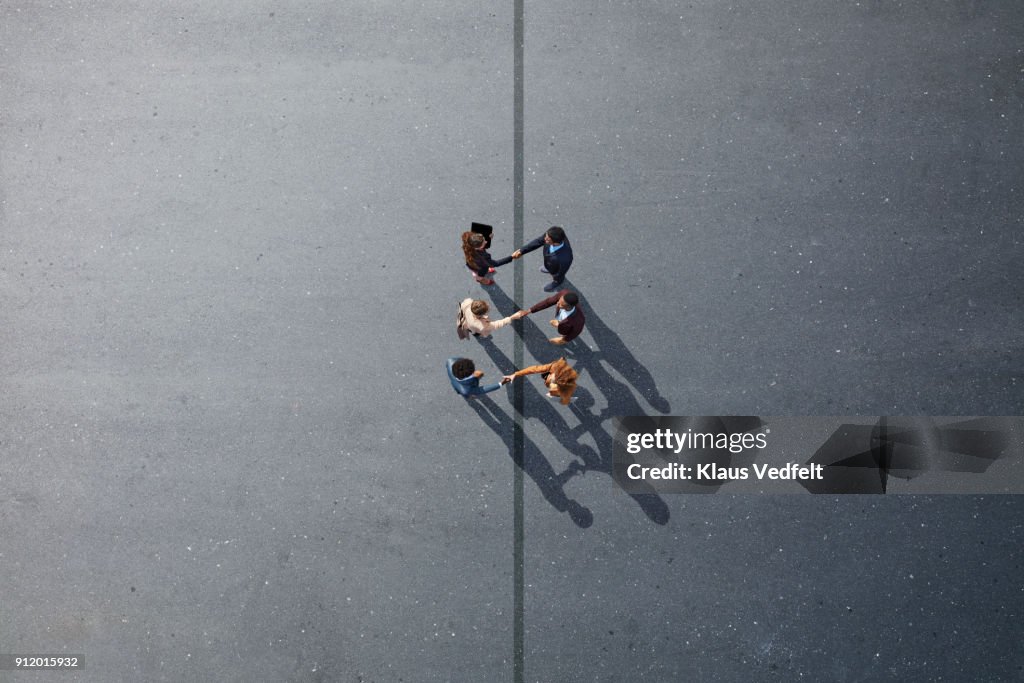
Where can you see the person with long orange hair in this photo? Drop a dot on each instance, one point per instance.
(558, 377)
(474, 251)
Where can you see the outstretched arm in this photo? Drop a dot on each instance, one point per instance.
(546, 303)
(498, 324)
(530, 246)
(477, 390)
(532, 370)
(495, 263)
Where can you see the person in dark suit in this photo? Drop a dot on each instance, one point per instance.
(465, 378)
(569, 318)
(557, 255)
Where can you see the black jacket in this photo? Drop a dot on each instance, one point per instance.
(482, 261)
(558, 262)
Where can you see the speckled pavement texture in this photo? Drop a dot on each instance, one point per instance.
(229, 268)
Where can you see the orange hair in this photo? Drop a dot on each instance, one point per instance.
(565, 377)
(561, 373)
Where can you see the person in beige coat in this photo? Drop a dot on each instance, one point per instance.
(473, 318)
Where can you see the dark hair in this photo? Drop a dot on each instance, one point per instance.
(463, 368)
(556, 234)
(571, 298)
(471, 241)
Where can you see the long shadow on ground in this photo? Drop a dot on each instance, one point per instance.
(547, 411)
(535, 465)
(612, 350)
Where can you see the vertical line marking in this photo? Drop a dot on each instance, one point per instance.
(518, 438)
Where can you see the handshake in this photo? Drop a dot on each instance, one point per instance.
(520, 314)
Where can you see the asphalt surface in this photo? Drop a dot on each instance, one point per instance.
(229, 267)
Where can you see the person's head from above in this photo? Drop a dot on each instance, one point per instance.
(561, 378)
(554, 236)
(568, 301)
(463, 368)
(479, 307)
(472, 243)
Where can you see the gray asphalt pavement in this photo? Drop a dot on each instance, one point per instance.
(229, 267)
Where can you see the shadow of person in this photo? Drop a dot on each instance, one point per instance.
(534, 464)
(542, 408)
(547, 411)
(620, 402)
(618, 355)
(502, 301)
(610, 345)
(533, 337)
(710, 446)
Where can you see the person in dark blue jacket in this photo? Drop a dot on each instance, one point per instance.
(557, 255)
(465, 378)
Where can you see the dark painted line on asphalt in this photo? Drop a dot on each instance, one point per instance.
(518, 438)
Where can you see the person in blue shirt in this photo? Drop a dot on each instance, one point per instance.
(569, 318)
(465, 378)
(557, 255)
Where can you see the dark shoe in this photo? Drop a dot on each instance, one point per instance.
(551, 286)
(545, 270)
